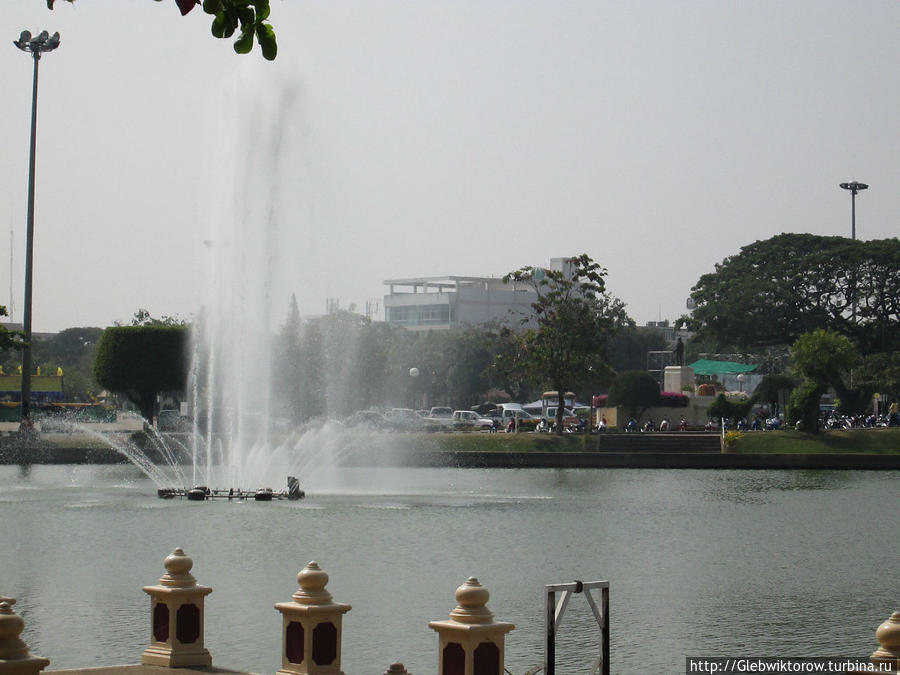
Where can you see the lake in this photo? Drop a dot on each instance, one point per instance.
(700, 563)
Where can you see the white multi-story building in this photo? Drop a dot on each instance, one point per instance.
(434, 303)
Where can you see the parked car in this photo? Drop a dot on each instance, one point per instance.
(371, 419)
(469, 419)
(439, 417)
(404, 418)
(441, 412)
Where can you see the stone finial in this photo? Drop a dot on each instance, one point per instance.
(472, 608)
(396, 669)
(14, 655)
(888, 636)
(312, 580)
(178, 570)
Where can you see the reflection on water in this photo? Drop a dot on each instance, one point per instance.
(754, 486)
(789, 563)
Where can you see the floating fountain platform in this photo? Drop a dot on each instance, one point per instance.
(200, 493)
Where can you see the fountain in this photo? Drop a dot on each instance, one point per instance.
(264, 239)
(254, 255)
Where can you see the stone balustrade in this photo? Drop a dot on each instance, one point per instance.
(470, 641)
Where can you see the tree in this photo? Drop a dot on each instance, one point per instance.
(313, 401)
(344, 371)
(880, 373)
(730, 409)
(827, 359)
(803, 408)
(251, 15)
(374, 350)
(69, 346)
(565, 342)
(73, 350)
(629, 349)
(822, 358)
(454, 365)
(636, 390)
(773, 291)
(142, 317)
(287, 366)
(878, 292)
(9, 339)
(773, 389)
(508, 371)
(141, 362)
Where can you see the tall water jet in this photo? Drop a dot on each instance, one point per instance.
(258, 212)
(263, 238)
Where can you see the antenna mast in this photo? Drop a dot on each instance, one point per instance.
(10, 269)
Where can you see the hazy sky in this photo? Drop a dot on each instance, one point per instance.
(426, 138)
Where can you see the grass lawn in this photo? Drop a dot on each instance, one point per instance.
(867, 441)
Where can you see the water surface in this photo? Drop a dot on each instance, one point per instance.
(782, 563)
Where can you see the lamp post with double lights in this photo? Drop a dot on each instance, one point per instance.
(36, 45)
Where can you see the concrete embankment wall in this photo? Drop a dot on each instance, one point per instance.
(634, 451)
(648, 460)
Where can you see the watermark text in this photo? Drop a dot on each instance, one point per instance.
(773, 664)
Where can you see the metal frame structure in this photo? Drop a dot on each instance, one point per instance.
(555, 611)
(657, 362)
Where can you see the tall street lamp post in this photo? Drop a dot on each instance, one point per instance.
(854, 187)
(37, 45)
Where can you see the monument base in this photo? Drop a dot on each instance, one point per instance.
(676, 378)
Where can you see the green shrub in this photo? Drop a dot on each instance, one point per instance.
(635, 390)
(730, 409)
(804, 405)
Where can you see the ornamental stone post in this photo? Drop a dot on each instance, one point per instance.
(311, 627)
(176, 617)
(15, 658)
(888, 636)
(471, 642)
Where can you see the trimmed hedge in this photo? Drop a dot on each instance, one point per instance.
(141, 361)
